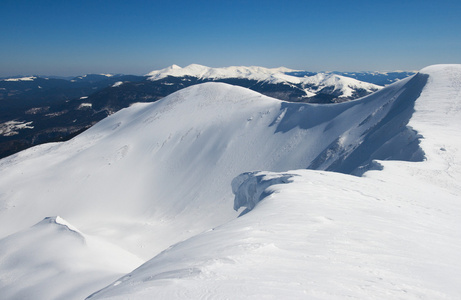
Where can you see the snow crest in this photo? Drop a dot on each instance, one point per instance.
(251, 187)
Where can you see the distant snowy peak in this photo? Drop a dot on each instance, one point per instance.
(202, 72)
(28, 78)
(342, 85)
(319, 83)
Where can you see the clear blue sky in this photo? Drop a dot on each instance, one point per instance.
(66, 37)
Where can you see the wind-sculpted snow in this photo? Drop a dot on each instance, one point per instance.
(250, 188)
(154, 178)
(319, 235)
(384, 134)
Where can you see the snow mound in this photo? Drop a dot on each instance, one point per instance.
(54, 260)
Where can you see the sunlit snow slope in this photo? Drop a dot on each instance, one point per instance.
(393, 234)
(156, 174)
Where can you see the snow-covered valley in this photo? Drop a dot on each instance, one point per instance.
(155, 185)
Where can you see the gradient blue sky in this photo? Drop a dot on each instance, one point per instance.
(66, 37)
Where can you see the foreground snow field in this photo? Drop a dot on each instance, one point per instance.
(155, 181)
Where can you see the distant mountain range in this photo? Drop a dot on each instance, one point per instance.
(35, 109)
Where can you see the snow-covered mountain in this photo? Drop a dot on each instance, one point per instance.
(204, 72)
(381, 78)
(322, 85)
(55, 109)
(158, 180)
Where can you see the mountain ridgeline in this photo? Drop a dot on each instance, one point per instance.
(35, 110)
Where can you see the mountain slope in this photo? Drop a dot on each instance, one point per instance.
(320, 235)
(224, 131)
(35, 110)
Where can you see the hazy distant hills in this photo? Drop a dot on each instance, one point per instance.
(35, 109)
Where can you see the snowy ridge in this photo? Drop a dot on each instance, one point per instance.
(341, 85)
(161, 189)
(338, 85)
(318, 235)
(199, 71)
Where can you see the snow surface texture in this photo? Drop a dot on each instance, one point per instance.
(339, 85)
(156, 174)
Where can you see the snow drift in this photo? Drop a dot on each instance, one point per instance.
(157, 174)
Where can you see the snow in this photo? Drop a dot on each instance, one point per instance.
(54, 260)
(318, 236)
(199, 71)
(341, 85)
(85, 105)
(392, 234)
(161, 181)
(118, 83)
(11, 127)
(28, 78)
